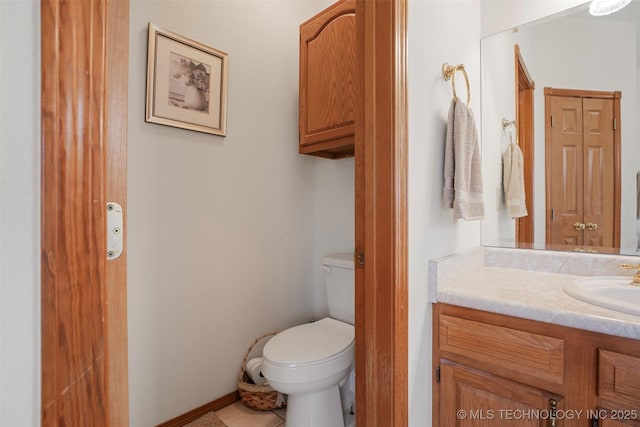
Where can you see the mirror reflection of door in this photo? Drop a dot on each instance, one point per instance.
(524, 119)
(582, 146)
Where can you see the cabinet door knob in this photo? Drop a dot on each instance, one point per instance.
(591, 226)
(578, 226)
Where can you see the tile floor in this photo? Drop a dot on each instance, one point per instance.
(238, 415)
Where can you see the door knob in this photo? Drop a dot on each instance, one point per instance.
(578, 226)
(591, 226)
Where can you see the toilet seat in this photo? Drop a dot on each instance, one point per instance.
(310, 343)
(309, 352)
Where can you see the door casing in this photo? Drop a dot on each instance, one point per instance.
(84, 150)
(525, 130)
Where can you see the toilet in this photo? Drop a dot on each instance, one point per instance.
(313, 363)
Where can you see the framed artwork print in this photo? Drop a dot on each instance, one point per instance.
(186, 83)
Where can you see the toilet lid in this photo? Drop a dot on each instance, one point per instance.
(309, 343)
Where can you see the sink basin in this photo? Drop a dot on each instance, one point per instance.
(615, 293)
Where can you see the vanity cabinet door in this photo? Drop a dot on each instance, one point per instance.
(619, 381)
(619, 389)
(473, 398)
(327, 82)
(618, 423)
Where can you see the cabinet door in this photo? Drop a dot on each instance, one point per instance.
(473, 398)
(327, 81)
(618, 423)
(619, 381)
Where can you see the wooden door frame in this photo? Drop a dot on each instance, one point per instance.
(84, 57)
(615, 96)
(525, 130)
(381, 215)
(381, 209)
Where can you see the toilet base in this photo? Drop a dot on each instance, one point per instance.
(319, 409)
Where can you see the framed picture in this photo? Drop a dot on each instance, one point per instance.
(186, 83)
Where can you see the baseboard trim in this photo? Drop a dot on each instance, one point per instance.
(196, 413)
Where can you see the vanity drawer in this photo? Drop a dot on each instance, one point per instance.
(527, 357)
(619, 379)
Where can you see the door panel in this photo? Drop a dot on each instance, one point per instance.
(599, 169)
(474, 398)
(570, 180)
(566, 170)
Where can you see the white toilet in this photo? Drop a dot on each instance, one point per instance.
(312, 363)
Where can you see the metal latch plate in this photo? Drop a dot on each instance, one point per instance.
(114, 230)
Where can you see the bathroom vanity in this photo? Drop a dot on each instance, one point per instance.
(510, 347)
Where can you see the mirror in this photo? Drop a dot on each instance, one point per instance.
(574, 99)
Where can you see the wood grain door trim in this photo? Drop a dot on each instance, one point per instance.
(525, 128)
(617, 153)
(117, 116)
(381, 215)
(83, 302)
(578, 93)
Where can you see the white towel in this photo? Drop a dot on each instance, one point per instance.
(513, 179)
(462, 170)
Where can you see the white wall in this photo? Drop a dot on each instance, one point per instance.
(225, 234)
(19, 213)
(334, 218)
(433, 40)
(498, 95)
(500, 15)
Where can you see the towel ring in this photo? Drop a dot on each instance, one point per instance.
(449, 73)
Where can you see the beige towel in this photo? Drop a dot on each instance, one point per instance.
(462, 170)
(513, 179)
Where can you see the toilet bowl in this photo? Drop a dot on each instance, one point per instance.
(311, 362)
(308, 362)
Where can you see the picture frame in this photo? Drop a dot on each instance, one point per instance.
(186, 83)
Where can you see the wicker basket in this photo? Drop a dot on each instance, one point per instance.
(259, 397)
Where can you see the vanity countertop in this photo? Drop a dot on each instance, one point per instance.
(533, 295)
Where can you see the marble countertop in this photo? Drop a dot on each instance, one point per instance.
(533, 295)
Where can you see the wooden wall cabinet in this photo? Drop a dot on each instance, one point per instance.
(327, 82)
(497, 370)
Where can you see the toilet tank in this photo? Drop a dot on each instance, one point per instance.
(339, 282)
